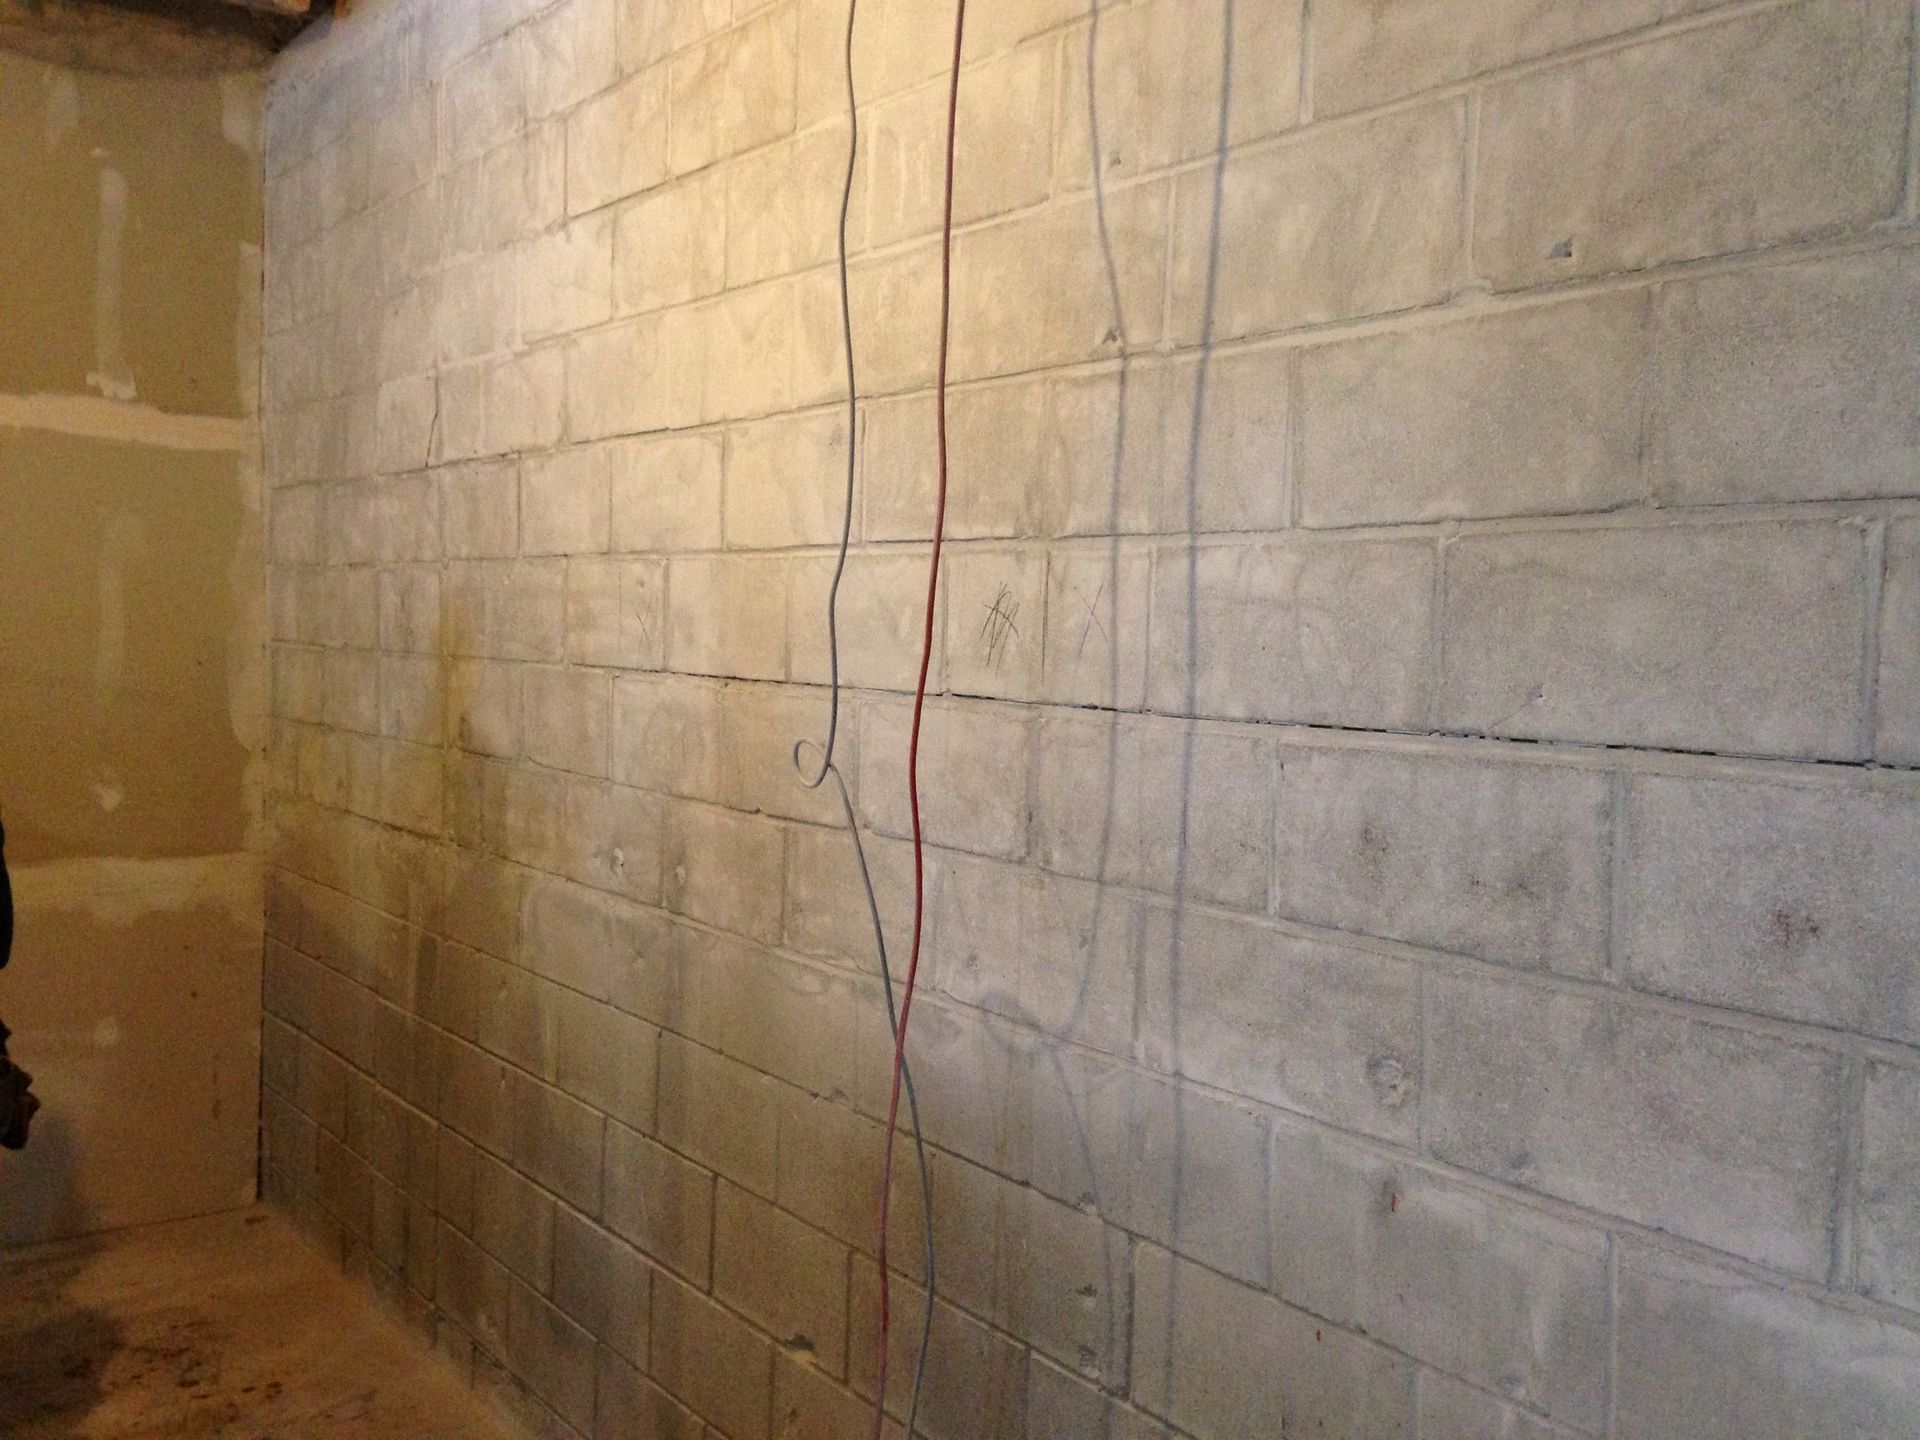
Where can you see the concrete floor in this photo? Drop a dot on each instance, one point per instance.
(227, 1328)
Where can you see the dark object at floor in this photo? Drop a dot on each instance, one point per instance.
(16, 1094)
(17, 1102)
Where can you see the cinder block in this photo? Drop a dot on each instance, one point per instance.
(513, 1221)
(1058, 954)
(570, 55)
(559, 1142)
(1527, 412)
(783, 207)
(525, 399)
(664, 250)
(1113, 794)
(617, 142)
(1099, 596)
(647, 374)
(1315, 630)
(882, 607)
(1790, 902)
(481, 505)
(786, 481)
(660, 1203)
(750, 347)
(735, 91)
(996, 603)
(760, 725)
(611, 839)
(667, 735)
(724, 869)
(1220, 1360)
(616, 612)
(726, 615)
(1109, 452)
(666, 493)
(475, 1097)
(1160, 78)
(478, 307)
(570, 934)
(974, 762)
(566, 278)
(554, 1356)
(1511, 1298)
(979, 1384)
(720, 1113)
(1737, 638)
(718, 1364)
(1059, 1403)
(505, 610)
(1889, 1220)
(1897, 711)
(483, 102)
(1505, 862)
(1788, 383)
(1453, 1410)
(629, 1403)
(1170, 1164)
(1721, 1136)
(650, 31)
(1577, 175)
(1388, 192)
(1003, 147)
(567, 713)
(1705, 1351)
(484, 706)
(473, 1288)
(406, 423)
(827, 911)
(605, 1058)
(786, 1277)
(1033, 290)
(409, 607)
(1365, 54)
(974, 1076)
(809, 1406)
(996, 436)
(829, 1170)
(1318, 1029)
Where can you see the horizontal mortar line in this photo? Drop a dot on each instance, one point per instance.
(1868, 776)
(1599, 1222)
(1628, 517)
(1456, 308)
(93, 417)
(1813, 1034)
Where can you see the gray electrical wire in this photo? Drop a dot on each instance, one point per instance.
(813, 780)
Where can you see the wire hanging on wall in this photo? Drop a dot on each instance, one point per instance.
(814, 778)
(919, 710)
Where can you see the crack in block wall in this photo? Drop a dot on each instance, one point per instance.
(1421, 786)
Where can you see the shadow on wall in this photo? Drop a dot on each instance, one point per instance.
(1158, 976)
(54, 1351)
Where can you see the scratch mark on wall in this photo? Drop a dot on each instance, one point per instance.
(124, 542)
(63, 107)
(111, 375)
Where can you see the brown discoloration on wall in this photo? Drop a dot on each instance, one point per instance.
(134, 197)
(131, 617)
(135, 990)
(113, 701)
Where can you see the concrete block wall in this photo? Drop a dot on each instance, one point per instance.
(1422, 936)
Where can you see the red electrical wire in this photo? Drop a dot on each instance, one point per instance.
(919, 708)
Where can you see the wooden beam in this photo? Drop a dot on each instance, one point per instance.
(275, 7)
